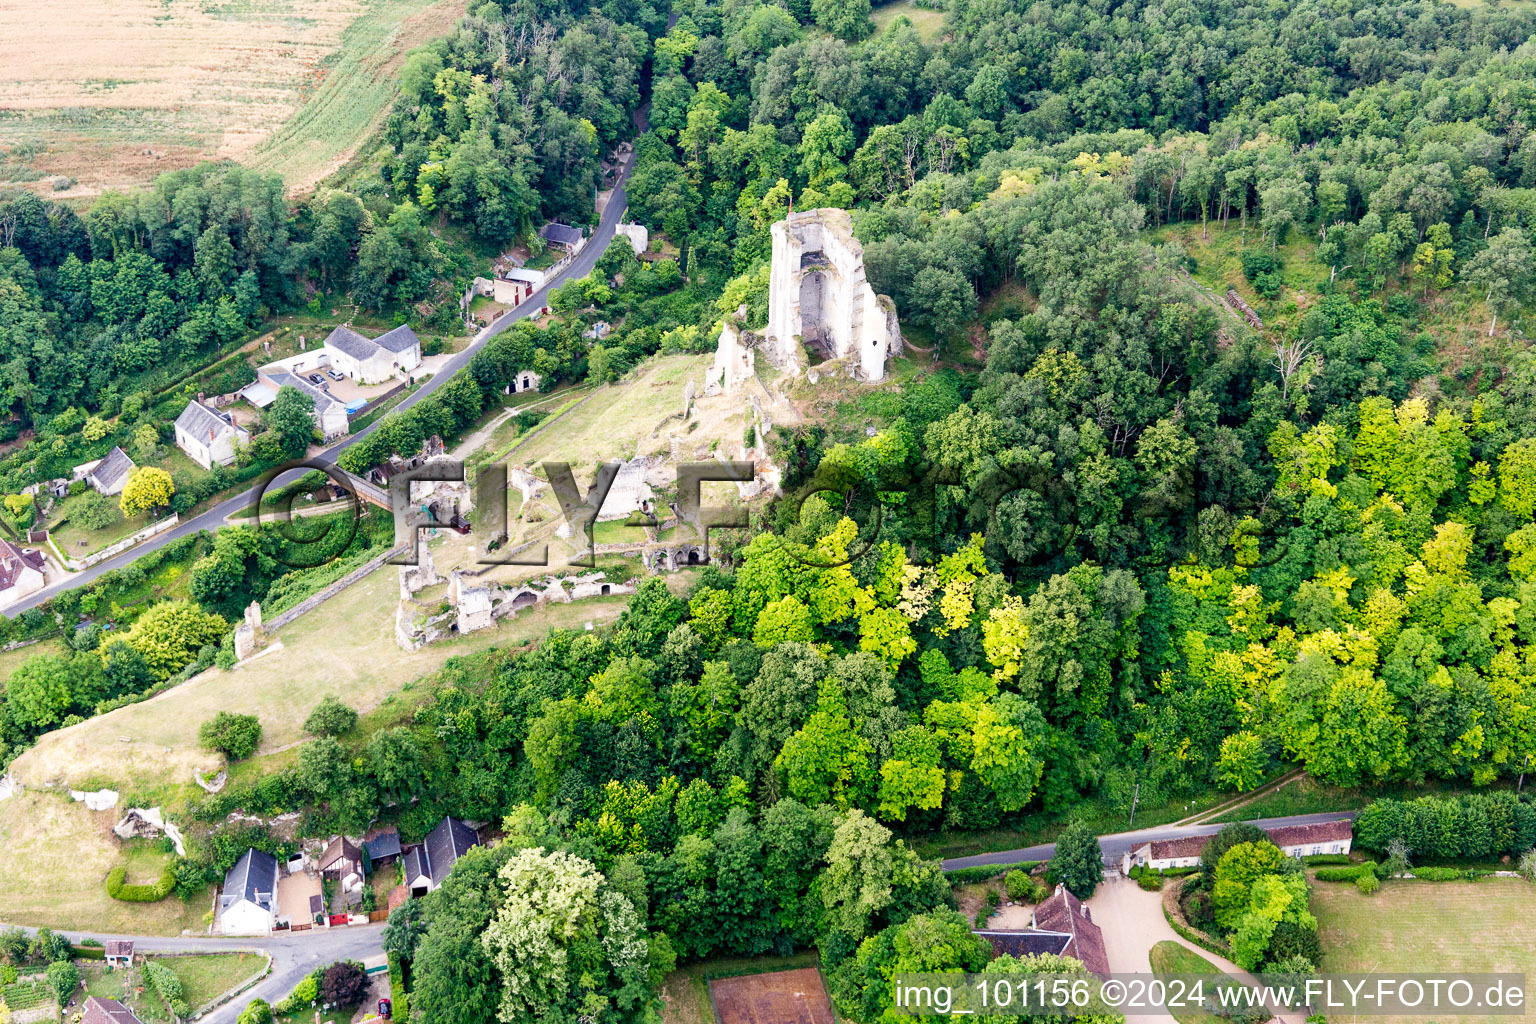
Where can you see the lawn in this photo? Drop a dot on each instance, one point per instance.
(927, 23)
(1169, 959)
(346, 648)
(75, 540)
(1415, 927)
(119, 91)
(685, 992)
(57, 855)
(204, 978)
(9, 660)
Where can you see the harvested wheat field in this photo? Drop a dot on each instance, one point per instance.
(109, 93)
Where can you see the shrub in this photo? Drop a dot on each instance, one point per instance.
(994, 898)
(1368, 884)
(167, 986)
(331, 717)
(257, 1011)
(118, 889)
(1528, 865)
(1346, 874)
(397, 993)
(1442, 874)
(343, 984)
(63, 976)
(1319, 859)
(1019, 885)
(1258, 262)
(236, 736)
(303, 995)
(1151, 883)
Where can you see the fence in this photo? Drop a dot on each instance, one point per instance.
(314, 601)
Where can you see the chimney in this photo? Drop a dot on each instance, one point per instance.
(199, 398)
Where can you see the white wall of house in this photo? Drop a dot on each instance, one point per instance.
(377, 368)
(222, 450)
(333, 421)
(28, 581)
(245, 918)
(409, 359)
(1313, 849)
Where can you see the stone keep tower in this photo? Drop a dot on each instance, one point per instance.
(818, 296)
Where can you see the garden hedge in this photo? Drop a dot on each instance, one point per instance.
(1319, 859)
(985, 872)
(1346, 874)
(118, 888)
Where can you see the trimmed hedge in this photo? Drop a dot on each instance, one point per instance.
(397, 994)
(986, 872)
(1346, 874)
(1450, 874)
(1200, 939)
(118, 888)
(1319, 859)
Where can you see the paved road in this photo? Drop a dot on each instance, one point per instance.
(1117, 845)
(293, 956)
(214, 517)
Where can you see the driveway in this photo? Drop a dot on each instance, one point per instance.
(1132, 922)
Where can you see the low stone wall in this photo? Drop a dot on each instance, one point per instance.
(316, 600)
(94, 557)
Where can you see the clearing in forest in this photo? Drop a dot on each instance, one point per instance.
(110, 93)
(782, 997)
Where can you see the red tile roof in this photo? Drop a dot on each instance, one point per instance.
(1318, 832)
(1064, 912)
(107, 1011)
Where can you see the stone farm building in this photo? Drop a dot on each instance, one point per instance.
(330, 412)
(108, 475)
(428, 864)
(207, 436)
(1331, 837)
(248, 900)
(375, 360)
(1061, 925)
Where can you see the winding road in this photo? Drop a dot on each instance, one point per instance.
(213, 518)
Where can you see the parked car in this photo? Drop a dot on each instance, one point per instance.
(315, 378)
(386, 1010)
(333, 375)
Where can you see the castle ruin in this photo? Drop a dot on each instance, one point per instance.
(818, 298)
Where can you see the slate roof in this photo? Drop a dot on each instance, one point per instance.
(13, 560)
(1026, 943)
(1317, 832)
(107, 1011)
(253, 878)
(560, 234)
(352, 343)
(1064, 912)
(112, 469)
(322, 399)
(197, 420)
(436, 857)
(385, 844)
(401, 339)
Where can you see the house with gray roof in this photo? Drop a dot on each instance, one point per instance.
(373, 360)
(427, 865)
(208, 436)
(248, 900)
(563, 235)
(330, 412)
(108, 475)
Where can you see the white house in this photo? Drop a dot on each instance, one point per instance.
(427, 865)
(1332, 837)
(372, 361)
(21, 573)
(514, 285)
(208, 436)
(330, 412)
(523, 380)
(108, 475)
(248, 901)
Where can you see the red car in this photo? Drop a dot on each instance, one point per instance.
(386, 1009)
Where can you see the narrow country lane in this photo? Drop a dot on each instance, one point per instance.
(213, 518)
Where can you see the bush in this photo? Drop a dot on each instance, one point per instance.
(397, 993)
(1443, 874)
(1368, 884)
(1528, 865)
(1347, 874)
(1258, 262)
(167, 986)
(236, 736)
(985, 872)
(257, 1011)
(118, 889)
(1320, 859)
(343, 984)
(1151, 883)
(1019, 885)
(302, 997)
(331, 717)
